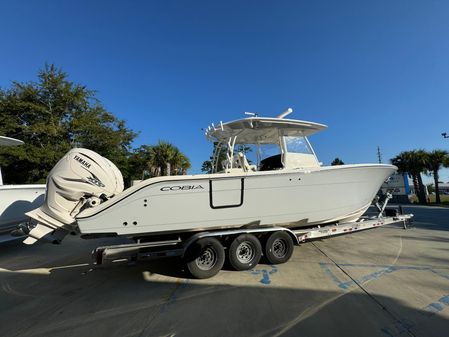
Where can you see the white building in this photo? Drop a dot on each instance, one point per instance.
(444, 188)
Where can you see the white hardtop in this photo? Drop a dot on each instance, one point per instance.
(261, 129)
(7, 141)
(288, 135)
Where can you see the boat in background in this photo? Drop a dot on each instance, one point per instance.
(16, 200)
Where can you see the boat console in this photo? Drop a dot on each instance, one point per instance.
(271, 163)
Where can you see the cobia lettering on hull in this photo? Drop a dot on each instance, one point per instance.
(182, 188)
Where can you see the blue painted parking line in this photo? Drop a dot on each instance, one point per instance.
(398, 328)
(384, 269)
(366, 278)
(331, 275)
(266, 280)
(401, 326)
(438, 306)
(434, 307)
(347, 284)
(445, 300)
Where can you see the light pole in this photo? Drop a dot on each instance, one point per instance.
(445, 135)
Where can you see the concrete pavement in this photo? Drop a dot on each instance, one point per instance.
(381, 282)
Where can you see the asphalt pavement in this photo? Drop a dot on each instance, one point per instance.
(386, 281)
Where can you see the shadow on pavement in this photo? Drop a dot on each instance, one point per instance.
(137, 301)
(54, 291)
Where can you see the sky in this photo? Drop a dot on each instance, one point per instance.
(375, 72)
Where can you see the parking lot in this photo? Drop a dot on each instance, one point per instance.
(381, 282)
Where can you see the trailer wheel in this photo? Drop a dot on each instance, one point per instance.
(279, 247)
(245, 252)
(205, 258)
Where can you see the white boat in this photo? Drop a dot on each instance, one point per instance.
(16, 200)
(287, 187)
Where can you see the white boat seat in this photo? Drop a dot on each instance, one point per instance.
(239, 163)
(244, 163)
(236, 165)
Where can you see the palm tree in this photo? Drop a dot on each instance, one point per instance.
(413, 163)
(165, 159)
(419, 165)
(436, 160)
(179, 163)
(403, 165)
(159, 156)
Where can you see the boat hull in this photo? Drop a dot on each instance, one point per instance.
(204, 202)
(15, 201)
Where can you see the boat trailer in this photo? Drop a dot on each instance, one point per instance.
(273, 237)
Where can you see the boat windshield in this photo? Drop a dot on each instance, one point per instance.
(297, 145)
(269, 150)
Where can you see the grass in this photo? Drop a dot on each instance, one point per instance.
(444, 200)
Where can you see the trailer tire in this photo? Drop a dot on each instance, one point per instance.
(205, 258)
(279, 247)
(244, 252)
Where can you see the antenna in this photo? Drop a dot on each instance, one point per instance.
(285, 113)
(379, 155)
(254, 114)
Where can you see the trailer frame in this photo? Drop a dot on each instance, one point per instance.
(173, 247)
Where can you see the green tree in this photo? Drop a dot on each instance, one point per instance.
(166, 159)
(413, 163)
(337, 161)
(206, 167)
(52, 115)
(437, 159)
(207, 164)
(139, 163)
(179, 163)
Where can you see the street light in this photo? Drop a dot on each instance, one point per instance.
(445, 135)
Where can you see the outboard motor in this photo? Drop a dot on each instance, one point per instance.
(81, 179)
